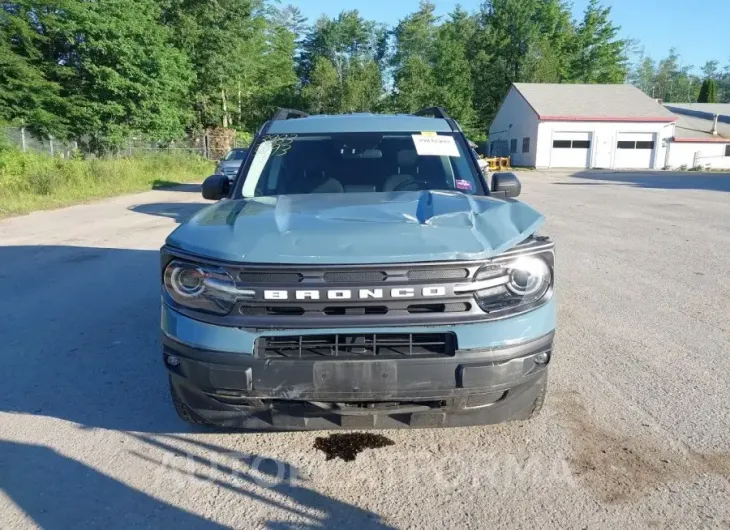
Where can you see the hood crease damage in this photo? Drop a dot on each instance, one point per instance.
(357, 228)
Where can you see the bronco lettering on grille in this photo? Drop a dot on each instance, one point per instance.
(355, 294)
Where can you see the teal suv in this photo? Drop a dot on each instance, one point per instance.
(358, 272)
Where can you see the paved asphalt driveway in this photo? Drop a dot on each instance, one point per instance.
(635, 433)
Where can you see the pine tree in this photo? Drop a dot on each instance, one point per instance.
(712, 92)
(704, 92)
(600, 57)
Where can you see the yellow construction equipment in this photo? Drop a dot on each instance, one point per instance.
(498, 163)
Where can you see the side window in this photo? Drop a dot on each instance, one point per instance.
(526, 145)
(727, 150)
(513, 145)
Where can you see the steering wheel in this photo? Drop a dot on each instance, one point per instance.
(411, 185)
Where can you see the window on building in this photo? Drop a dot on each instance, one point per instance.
(575, 144)
(626, 145)
(727, 150)
(513, 145)
(526, 145)
(645, 145)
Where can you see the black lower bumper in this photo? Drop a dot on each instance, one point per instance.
(470, 388)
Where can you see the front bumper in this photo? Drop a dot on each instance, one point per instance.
(486, 386)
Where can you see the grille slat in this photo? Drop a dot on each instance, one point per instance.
(354, 276)
(270, 277)
(352, 310)
(438, 274)
(284, 277)
(370, 345)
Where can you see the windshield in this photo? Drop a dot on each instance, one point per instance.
(236, 154)
(359, 162)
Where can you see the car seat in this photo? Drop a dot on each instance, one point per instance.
(407, 159)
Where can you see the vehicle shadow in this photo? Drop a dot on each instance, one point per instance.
(670, 180)
(58, 492)
(81, 341)
(171, 185)
(253, 476)
(178, 211)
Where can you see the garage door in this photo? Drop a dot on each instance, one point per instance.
(571, 149)
(634, 150)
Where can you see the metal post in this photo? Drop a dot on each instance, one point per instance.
(50, 141)
(22, 139)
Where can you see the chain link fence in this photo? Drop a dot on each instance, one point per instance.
(212, 144)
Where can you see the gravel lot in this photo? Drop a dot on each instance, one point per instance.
(635, 433)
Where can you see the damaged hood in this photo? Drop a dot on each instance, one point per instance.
(353, 228)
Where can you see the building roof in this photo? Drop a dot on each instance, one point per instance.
(710, 109)
(573, 102)
(695, 120)
(352, 123)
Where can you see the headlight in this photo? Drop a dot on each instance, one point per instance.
(529, 277)
(512, 285)
(202, 287)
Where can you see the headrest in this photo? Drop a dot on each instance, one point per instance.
(407, 157)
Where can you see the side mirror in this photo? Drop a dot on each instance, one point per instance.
(506, 184)
(216, 187)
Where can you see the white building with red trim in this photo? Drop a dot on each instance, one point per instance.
(593, 126)
(701, 136)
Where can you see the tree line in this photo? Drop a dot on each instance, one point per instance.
(109, 70)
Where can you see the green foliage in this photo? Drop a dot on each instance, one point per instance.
(600, 57)
(30, 181)
(708, 91)
(341, 64)
(672, 81)
(103, 72)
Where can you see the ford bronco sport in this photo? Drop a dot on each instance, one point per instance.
(358, 273)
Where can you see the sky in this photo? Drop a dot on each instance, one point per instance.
(697, 28)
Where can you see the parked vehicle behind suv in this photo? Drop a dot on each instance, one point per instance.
(229, 164)
(358, 273)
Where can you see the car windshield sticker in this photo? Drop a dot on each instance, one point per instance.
(428, 133)
(263, 153)
(435, 145)
(463, 185)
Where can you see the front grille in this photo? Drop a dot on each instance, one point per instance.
(312, 296)
(368, 345)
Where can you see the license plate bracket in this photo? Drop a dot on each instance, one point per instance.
(355, 376)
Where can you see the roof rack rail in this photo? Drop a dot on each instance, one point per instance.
(439, 112)
(287, 114)
(436, 112)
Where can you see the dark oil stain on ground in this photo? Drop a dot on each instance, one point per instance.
(620, 468)
(347, 446)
